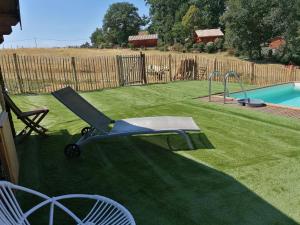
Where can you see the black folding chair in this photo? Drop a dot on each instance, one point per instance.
(31, 119)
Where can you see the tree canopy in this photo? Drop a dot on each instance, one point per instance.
(98, 37)
(192, 19)
(248, 24)
(166, 15)
(251, 24)
(120, 21)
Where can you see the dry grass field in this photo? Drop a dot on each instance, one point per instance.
(78, 52)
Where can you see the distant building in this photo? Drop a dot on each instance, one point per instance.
(148, 40)
(208, 35)
(276, 43)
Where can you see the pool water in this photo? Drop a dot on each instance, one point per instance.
(284, 94)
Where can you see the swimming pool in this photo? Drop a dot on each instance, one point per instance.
(283, 94)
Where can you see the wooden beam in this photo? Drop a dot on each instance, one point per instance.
(9, 6)
(5, 30)
(8, 20)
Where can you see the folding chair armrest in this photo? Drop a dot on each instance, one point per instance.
(33, 112)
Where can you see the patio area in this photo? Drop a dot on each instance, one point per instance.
(283, 111)
(245, 170)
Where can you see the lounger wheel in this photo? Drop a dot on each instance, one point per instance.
(72, 151)
(85, 130)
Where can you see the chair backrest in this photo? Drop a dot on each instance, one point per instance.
(83, 109)
(103, 211)
(9, 103)
(10, 210)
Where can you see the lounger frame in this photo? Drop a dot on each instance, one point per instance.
(100, 124)
(93, 136)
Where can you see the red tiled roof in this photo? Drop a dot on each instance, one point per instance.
(209, 33)
(143, 37)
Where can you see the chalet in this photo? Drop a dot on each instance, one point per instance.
(144, 40)
(208, 35)
(276, 43)
(9, 16)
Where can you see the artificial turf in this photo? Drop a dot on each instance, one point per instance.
(245, 169)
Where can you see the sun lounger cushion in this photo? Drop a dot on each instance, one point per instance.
(154, 124)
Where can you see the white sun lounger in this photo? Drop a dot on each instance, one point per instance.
(100, 124)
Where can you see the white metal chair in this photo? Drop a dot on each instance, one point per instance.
(104, 211)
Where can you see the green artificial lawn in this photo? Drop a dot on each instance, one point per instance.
(245, 169)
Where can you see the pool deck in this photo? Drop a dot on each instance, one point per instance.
(289, 112)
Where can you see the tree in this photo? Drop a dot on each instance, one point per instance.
(85, 45)
(179, 33)
(192, 18)
(246, 28)
(166, 14)
(284, 16)
(211, 11)
(120, 21)
(98, 37)
(251, 24)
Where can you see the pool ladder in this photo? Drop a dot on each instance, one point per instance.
(226, 77)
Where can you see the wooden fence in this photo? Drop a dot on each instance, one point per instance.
(38, 74)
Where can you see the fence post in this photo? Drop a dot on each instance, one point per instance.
(291, 73)
(215, 64)
(195, 68)
(252, 73)
(143, 67)
(74, 72)
(170, 67)
(120, 70)
(20, 81)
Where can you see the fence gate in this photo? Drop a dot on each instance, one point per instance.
(131, 69)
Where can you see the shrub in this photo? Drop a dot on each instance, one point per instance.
(164, 48)
(296, 59)
(231, 51)
(85, 45)
(188, 46)
(101, 45)
(270, 53)
(109, 45)
(237, 53)
(210, 47)
(131, 46)
(177, 47)
(201, 47)
(286, 59)
(123, 45)
(219, 44)
(143, 48)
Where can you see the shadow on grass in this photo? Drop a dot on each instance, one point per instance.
(158, 186)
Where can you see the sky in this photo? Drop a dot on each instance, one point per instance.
(59, 23)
